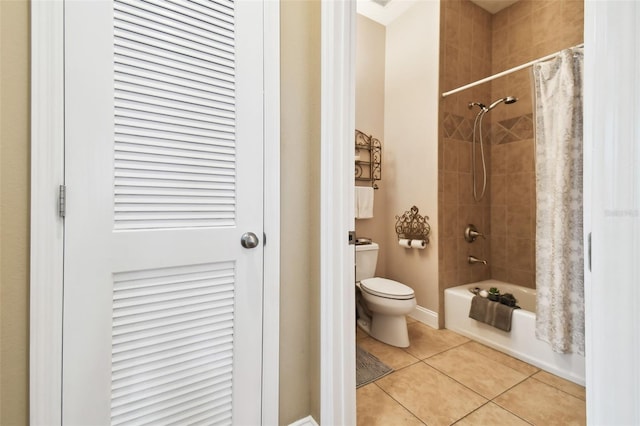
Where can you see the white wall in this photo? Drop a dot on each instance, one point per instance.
(300, 210)
(411, 142)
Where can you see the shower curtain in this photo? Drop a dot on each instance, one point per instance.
(559, 236)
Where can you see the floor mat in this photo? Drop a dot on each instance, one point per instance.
(369, 368)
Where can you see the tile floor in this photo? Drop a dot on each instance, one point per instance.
(444, 378)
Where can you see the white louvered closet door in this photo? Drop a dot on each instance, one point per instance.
(163, 169)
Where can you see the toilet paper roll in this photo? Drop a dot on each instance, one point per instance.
(403, 242)
(418, 244)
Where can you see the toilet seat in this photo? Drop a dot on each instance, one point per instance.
(388, 289)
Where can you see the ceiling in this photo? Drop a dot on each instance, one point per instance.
(385, 11)
(494, 6)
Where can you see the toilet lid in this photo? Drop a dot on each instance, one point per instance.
(387, 288)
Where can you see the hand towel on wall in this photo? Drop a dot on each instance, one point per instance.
(364, 202)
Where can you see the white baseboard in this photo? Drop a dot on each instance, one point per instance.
(425, 316)
(307, 421)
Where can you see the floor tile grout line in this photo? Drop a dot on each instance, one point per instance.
(456, 380)
(499, 406)
(416, 359)
(511, 412)
(557, 388)
(399, 403)
(505, 354)
(400, 369)
(511, 387)
(437, 353)
(487, 400)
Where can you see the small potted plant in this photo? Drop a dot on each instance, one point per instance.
(494, 294)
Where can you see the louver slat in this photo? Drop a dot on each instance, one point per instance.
(172, 345)
(174, 114)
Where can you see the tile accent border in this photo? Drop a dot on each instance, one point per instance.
(513, 129)
(458, 127)
(501, 132)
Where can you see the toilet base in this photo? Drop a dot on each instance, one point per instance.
(390, 329)
(384, 319)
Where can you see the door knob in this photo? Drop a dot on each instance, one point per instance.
(249, 240)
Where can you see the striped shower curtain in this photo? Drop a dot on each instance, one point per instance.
(559, 236)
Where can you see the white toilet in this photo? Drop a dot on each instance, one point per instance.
(386, 302)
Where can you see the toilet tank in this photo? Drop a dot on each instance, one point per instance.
(366, 259)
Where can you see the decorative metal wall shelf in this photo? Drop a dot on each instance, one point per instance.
(413, 226)
(368, 158)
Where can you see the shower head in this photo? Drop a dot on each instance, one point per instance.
(507, 100)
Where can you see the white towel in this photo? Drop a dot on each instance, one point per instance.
(364, 202)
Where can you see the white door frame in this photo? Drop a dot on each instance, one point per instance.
(337, 275)
(612, 205)
(606, 396)
(47, 228)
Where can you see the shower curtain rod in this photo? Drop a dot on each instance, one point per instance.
(503, 73)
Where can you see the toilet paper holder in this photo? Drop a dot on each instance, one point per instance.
(413, 226)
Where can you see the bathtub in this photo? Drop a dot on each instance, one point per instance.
(521, 341)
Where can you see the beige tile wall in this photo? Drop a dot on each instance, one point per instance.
(475, 44)
(523, 32)
(465, 55)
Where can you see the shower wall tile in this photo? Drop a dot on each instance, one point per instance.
(449, 222)
(498, 220)
(520, 157)
(573, 16)
(466, 51)
(452, 5)
(499, 43)
(500, 274)
(519, 189)
(498, 159)
(531, 29)
(500, 19)
(487, 224)
(523, 128)
(519, 221)
(513, 213)
(450, 254)
(459, 128)
(465, 188)
(520, 81)
(451, 64)
(498, 190)
(452, 25)
(464, 157)
(520, 10)
(470, 213)
(449, 125)
(466, 36)
(519, 253)
(498, 251)
(466, 130)
(520, 35)
(450, 188)
(522, 277)
(450, 149)
(450, 278)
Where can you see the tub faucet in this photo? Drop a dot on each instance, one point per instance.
(473, 259)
